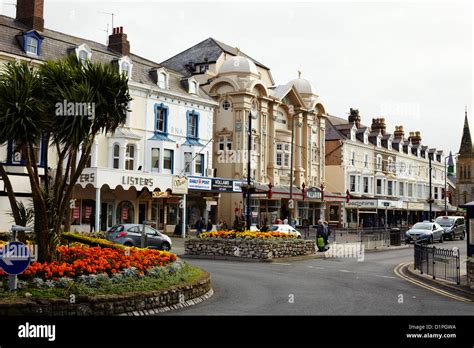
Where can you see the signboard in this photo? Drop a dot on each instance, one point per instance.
(386, 204)
(14, 258)
(179, 185)
(124, 213)
(236, 186)
(313, 193)
(382, 203)
(76, 213)
(415, 206)
(362, 203)
(159, 194)
(222, 185)
(197, 183)
(88, 212)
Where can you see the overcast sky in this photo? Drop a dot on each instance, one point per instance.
(408, 62)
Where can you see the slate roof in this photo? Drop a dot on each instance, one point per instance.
(208, 50)
(57, 45)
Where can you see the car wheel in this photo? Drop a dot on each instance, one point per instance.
(128, 244)
(165, 246)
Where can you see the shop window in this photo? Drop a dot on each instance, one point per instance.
(116, 156)
(155, 159)
(125, 212)
(129, 157)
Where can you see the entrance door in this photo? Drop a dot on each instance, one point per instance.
(103, 216)
(141, 212)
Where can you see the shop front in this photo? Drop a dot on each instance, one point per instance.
(361, 213)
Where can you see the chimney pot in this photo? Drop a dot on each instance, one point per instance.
(30, 13)
(118, 42)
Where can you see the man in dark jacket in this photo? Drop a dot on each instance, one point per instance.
(321, 231)
(199, 227)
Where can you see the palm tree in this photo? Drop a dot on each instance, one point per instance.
(99, 86)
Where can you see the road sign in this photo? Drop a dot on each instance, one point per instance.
(386, 204)
(291, 203)
(14, 258)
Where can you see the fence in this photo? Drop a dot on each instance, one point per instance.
(437, 262)
(371, 238)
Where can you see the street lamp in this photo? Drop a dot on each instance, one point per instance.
(291, 157)
(446, 182)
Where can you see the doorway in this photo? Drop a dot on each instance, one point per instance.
(142, 207)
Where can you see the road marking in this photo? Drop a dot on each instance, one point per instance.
(281, 263)
(381, 276)
(310, 266)
(428, 287)
(345, 271)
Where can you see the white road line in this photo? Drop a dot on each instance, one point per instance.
(345, 271)
(281, 263)
(310, 266)
(381, 276)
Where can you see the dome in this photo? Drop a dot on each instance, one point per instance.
(303, 86)
(238, 64)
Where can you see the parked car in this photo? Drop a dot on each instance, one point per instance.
(424, 232)
(454, 226)
(254, 228)
(131, 234)
(284, 229)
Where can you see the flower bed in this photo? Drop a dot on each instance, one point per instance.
(245, 235)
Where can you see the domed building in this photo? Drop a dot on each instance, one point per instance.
(243, 86)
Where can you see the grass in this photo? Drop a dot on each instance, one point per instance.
(129, 286)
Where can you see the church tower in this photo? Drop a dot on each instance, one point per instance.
(465, 167)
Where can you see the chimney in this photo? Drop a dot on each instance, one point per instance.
(30, 13)
(399, 133)
(118, 42)
(378, 125)
(415, 138)
(354, 117)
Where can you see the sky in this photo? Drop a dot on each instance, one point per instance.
(410, 62)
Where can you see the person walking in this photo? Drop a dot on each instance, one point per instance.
(199, 227)
(321, 236)
(92, 221)
(209, 225)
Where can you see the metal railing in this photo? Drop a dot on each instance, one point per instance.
(438, 263)
(371, 238)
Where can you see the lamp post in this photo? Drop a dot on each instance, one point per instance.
(291, 155)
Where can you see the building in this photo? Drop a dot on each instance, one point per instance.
(464, 166)
(379, 177)
(168, 132)
(242, 86)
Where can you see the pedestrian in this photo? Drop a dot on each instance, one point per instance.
(285, 221)
(199, 227)
(278, 221)
(209, 225)
(328, 231)
(92, 221)
(321, 236)
(218, 225)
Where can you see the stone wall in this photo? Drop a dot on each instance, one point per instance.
(470, 272)
(263, 249)
(131, 304)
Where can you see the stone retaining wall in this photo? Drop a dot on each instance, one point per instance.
(470, 272)
(250, 249)
(111, 304)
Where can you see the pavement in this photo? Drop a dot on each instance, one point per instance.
(322, 286)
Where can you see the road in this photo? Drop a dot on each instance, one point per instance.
(326, 286)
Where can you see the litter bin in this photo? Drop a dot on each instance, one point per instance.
(395, 239)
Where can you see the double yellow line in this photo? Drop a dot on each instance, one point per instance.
(398, 272)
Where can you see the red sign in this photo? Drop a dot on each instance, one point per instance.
(124, 213)
(88, 212)
(76, 213)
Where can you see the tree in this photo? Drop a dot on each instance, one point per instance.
(34, 111)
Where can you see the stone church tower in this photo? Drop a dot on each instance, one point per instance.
(465, 167)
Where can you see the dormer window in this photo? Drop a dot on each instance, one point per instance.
(353, 134)
(366, 138)
(84, 53)
(389, 144)
(379, 142)
(32, 43)
(125, 66)
(193, 86)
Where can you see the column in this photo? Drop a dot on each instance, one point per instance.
(97, 209)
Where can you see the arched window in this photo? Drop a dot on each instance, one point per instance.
(129, 157)
(116, 156)
(125, 213)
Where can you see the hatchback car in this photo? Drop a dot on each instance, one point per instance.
(454, 226)
(284, 229)
(131, 235)
(424, 232)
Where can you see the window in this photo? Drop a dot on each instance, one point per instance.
(353, 156)
(391, 167)
(358, 183)
(155, 159)
(419, 190)
(352, 183)
(379, 186)
(161, 118)
(32, 45)
(125, 68)
(199, 165)
(225, 143)
(389, 144)
(162, 80)
(83, 53)
(390, 188)
(193, 124)
(193, 87)
(83, 56)
(366, 138)
(410, 190)
(366, 161)
(353, 135)
(366, 185)
(283, 155)
(129, 157)
(168, 159)
(401, 187)
(226, 105)
(116, 156)
(188, 158)
(379, 162)
(202, 68)
(379, 142)
(435, 193)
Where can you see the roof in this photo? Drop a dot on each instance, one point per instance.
(331, 133)
(280, 91)
(57, 45)
(208, 50)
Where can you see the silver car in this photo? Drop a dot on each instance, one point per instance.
(131, 234)
(454, 226)
(424, 232)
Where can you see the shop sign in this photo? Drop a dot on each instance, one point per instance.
(222, 185)
(236, 186)
(137, 180)
(415, 206)
(179, 185)
(313, 193)
(87, 178)
(197, 183)
(362, 203)
(76, 213)
(125, 213)
(88, 212)
(382, 204)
